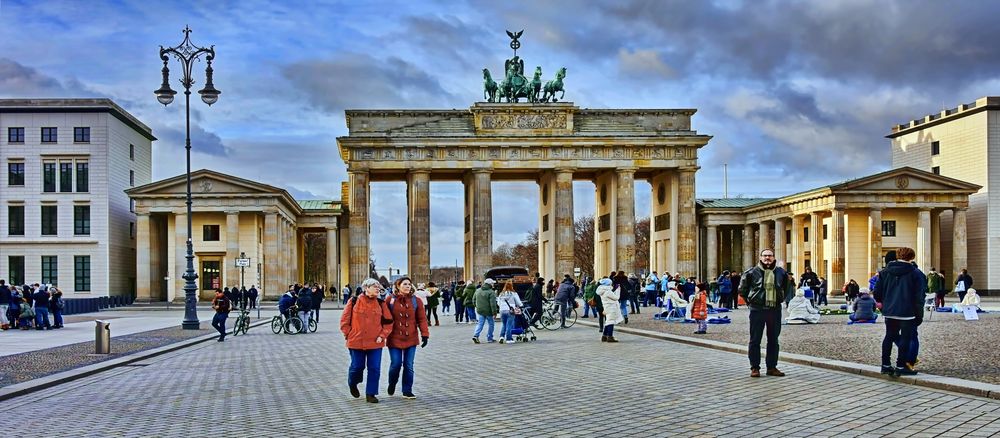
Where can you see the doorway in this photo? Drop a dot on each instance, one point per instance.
(211, 278)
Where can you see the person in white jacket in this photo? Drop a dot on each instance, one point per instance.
(971, 299)
(612, 311)
(677, 300)
(509, 304)
(800, 309)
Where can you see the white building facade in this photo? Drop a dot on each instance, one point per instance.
(961, 143)
(64, 216)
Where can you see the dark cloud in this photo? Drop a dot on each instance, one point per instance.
(19, 80)
(360, 81)
(202, 141)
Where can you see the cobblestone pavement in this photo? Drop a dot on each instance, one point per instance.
(567, 383)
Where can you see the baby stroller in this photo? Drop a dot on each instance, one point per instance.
(522, 330)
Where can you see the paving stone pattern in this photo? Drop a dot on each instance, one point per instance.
(565, 384)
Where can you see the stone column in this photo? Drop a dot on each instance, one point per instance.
(935, 241)
(143, 256)
(271, 260)
(358, 226)
(564, 232)
(180, 259)
(836, 280)
(816, 245)
(282, 254)
(959, 251)
(874, 240)
(625, 220)
(923, 238)
(332, 251)
(748, 255)
(482, 223)
(687, 227)
(764, 238)
(780, 254)
(798, 246)
(418, 200)
(232, 248)
(712, 251)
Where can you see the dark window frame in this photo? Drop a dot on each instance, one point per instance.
(15, 227)
(81, 220)
(210, 233)
(50, 269)
(888, 228)
(65, 177)
(81, 134)
(805, 234)
(936, 170)
(50, 134)
(49, 176)
(826, 234)
(82, 176)
(15, 134)
(131, 152)
(15, 173)
(81, 273)
(935, 148)
(50, 221)
(15, 269)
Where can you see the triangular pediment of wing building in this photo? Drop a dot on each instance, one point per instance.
(205, 182)
(905, 179)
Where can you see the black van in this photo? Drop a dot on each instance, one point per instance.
(518, 274)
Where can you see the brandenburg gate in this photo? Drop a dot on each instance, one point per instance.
(550, 143)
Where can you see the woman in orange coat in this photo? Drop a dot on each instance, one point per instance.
(366, 323)
(409, 320)
(699, 309)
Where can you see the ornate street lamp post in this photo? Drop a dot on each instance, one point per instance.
(187, 53)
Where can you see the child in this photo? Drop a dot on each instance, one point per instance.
(699, 309)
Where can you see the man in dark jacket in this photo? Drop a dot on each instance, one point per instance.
(564, 296)
(41, 298)
(318, 296)
(534, 299)
(764, 288)
(305, 303)
(962, 284)
(253, 296)
(4, 304)
(900, 288)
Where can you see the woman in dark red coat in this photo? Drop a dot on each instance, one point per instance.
(408, 317)
(366, 323)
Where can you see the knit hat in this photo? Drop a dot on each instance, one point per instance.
(605, 281)
(489, 281)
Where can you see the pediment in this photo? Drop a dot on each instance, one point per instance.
(905, 179)
(205, 182)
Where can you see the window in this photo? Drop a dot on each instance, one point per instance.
(48, 177)
(82, 177)
(936, 170)
(81, 135)
(49, 135)
(210, 233)
(50, 269)
(15, 174)
(131, 152)
(131, 230)
(788, 236)
(81, 220)
(15, 135)
(825, 235)
(66, 177)
(81, 273)
(888, 228)
(662, 222)
(805, 234)
(50, 220)
(15, 270)
(15, 220)
(935, 148)
(131, 178)
(131, 205)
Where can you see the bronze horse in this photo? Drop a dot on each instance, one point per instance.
(489, 87)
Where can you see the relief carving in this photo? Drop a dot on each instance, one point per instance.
(524, 121)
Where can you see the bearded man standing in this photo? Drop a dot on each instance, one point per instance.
(764, 288)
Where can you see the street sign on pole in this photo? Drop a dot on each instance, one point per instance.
(242, 263)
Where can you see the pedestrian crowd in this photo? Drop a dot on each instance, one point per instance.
(28, 307)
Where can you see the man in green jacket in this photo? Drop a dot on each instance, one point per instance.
(588, 294)
(469, 301)
(487, 307)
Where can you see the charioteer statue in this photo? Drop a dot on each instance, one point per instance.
(516, 86)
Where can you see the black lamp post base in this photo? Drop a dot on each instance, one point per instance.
(191, 325)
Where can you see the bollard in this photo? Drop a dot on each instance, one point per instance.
(102, 337)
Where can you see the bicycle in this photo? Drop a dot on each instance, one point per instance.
(551, 320)
(290, 325)
(242, 322)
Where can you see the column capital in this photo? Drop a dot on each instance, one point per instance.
(357, 171)
(564, 170)
(419, 171)
(960, 208)
(688, 169)
(838, 208)
(141, 213)
(630, 169)
(232, 212)
(875, 208)
(927, 209)
(486, 170)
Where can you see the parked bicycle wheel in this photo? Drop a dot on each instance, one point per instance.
(245, 324)
(313, 325)
(571, 318)
(276, 325)
(238, 325)
(293, 325)
(550, 319)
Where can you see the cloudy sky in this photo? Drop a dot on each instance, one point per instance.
(796, 94)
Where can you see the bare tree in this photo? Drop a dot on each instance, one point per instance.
(314, 269)
(446, 274)
(642, 245)
(583, 246)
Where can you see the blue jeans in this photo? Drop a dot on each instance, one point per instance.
(57, 315)
(41, 317)
(219, 322)
(609, 330)
(507, 329)
(586, 309)
(360, 359)
(483, 319)
(565, 307)
(911, 356)
(470, 313)
(623, 304)
(402, 358)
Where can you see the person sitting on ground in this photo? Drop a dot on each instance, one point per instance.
(864, 307)
(675, 299)
(971, 300)
(27, 315)
(800, 308)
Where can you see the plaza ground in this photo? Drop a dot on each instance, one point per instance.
(565, 384)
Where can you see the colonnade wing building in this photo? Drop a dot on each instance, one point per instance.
(552, 144)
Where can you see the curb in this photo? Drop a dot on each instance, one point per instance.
(951, 384)
(23, 388)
